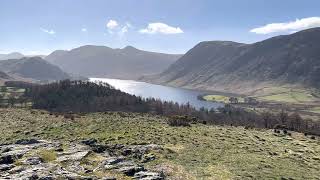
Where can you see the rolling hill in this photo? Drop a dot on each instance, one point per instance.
(235, 67)
(34, 68)
(101, 61)
(14, 55)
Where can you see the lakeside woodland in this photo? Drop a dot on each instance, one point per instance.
(71, 97)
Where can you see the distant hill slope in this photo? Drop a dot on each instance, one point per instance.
(14, 55)
(4, 77)
(101, 61)
(33, 68)
(235, 67)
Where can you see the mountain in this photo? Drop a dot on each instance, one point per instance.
(14, 55)
(235, 67)
(32, 68)
(101, 61)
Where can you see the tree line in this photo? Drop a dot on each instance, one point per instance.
(85, 96)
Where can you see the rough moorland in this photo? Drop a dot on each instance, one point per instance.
(195, 152)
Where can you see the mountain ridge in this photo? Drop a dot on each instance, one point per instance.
(236, 67)
(102, 61)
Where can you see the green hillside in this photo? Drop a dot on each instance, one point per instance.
(196, 152)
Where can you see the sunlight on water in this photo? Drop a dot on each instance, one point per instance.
(165, 93)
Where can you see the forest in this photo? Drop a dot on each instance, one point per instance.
(84, 97)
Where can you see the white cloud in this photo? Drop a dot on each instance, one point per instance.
(110, 31)
(162, 28)
(112, 24)
(125, 29)
(84, 30)
(129, 25)
(292, 26)
(48, 31)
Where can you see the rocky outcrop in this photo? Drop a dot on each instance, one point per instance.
(39, 159)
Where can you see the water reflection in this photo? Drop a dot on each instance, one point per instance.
(165, 93)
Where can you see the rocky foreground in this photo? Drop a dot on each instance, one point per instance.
(146, 144)
(40, 159)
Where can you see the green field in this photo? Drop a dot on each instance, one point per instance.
(286, 95)
(290, 97)
(275, 94)
(10, 91)
(220, 98)
(196, 152)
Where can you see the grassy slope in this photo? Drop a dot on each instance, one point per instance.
(197, 152)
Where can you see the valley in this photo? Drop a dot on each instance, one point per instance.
(243, 106)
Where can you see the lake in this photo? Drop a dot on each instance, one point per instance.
(165, 93)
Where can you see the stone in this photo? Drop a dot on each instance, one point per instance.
(6, 149)
(33, 177)
(16, 153)
(6, 167)
(76, 167)
(27, 141)
(109, 155)
(17, 169)
(97, 148)
(77, 156)
(138, 151)
(148, 158)
(33, 160)
(130, 170)
(109, 178)
(47, 178)
(89, 142)
(7, 159)
(59, 149)
(145, 175)
(113, 160)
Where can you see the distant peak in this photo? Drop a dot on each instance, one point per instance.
(129, 48)
(16, 53)
(221, 42)
(37, 58)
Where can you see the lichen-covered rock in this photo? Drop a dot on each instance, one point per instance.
(24, 160)
(145, 175)
(77, 156)
(6, 167)
(114, 160)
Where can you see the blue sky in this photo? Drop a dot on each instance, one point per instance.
(172, 26)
